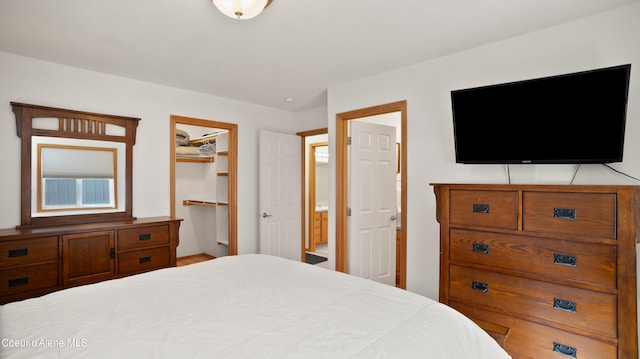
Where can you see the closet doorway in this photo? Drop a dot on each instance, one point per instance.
(211, 151)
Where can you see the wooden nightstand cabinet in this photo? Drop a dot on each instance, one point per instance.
(38, 260)
(548, 270)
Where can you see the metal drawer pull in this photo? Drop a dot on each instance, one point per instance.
(479, 286)
(20, 252)
(565, 350)
(481, 208)
(18, 281)
(144, 236)
(481, 248)
(146, 259)
(564, 213)
(565, 259)
(564, 305)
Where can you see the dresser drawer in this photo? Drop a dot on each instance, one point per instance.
(532, 340)
(26, 251)
(494, 209)
(578, 308)
(573, 260)
(25, 279)
(143, 260)
(140, 237)
(582, 214)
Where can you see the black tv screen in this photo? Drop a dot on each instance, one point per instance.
(572, 118)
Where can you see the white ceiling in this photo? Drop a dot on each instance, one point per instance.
(296, 48)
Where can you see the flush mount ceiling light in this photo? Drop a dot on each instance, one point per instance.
(241, 9)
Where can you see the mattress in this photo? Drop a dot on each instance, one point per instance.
(246, 306)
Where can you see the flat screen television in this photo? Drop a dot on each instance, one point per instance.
(572, 118)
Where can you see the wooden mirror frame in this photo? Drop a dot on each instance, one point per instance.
(76, 125)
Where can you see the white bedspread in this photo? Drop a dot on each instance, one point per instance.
(248, 306)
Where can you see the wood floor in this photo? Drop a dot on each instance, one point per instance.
(183, 261)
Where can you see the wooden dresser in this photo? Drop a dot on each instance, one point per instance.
(548, 270)
(38, 260)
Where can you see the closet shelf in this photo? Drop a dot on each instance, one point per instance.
(190, 202)
(224, 243)
(195, 159)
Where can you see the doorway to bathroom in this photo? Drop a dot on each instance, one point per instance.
(315, 194)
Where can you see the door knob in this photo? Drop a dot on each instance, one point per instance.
(265, 215)
(393, 218)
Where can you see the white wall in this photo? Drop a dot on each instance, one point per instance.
(311, 119)
(607, 39)
(41, 83)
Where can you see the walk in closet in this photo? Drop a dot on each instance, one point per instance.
(202, 185)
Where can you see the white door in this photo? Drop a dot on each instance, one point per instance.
(280, 196)
(372, 199)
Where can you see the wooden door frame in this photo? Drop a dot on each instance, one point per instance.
(233, 170)
(342, 182)
(303, 178)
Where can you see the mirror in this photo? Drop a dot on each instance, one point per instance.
(82, 176)
(76, 166)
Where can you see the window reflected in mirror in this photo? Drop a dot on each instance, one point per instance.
(76, 177)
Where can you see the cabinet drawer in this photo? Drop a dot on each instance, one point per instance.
(579, 261)
(25, 279)
(26, 251)
(140, 237)
(143, 260)
(495, 209)
(583, 214)
(532, 340)
(578, 308)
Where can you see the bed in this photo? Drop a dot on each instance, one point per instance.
(246, 306)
